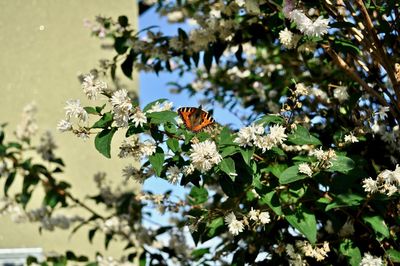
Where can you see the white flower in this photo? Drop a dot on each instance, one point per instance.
(301, 89)
(350, 138)
(277, 134)
(64, 125)
(369, 260)
(264, 142)
(236, 72)
(139, 118)
(264, 217)
(204, 155)
(318, 28)
(159, 107)
(235, 226)
(28, 127)
(188, 169)
(91, 87)
(122, 107)
(175, 16)
(313, 29)
(341, 93)
(148, 148)
(240, 2)
(382, 113)
(173, 174)
(319, 93)
(288, 39)
(74, 109)
(247, 135)
(304, 168)
(253, 214)
(82, 133)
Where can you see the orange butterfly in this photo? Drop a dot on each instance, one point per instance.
(195, 119)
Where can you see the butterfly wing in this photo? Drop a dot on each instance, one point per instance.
(194, 118)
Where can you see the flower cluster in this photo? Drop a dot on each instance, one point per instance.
(324, 158)
(91, 87)
(316, 28)
(387, 182)
(236, 226)
(204, 155)
(28, 127)
(46, 146)
(133, 147)
(369, 260)
(42, 215)
(304, 248)
(254, 135)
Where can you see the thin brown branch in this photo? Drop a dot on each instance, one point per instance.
(353, 74)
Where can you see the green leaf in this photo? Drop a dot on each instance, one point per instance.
(301, 136)
(342, 164)
(247, 155)
(345, 200)
(394, 255)
(207, 59)
(268, 119)
(225, 137)
(228, 166)
(104, 122)
(351, 252)
(91, 110)
(91, 234)
(10, 179)
(272, 200)
(173, 144)
(157, 160)
(228, 150)
(102, 142)
(127, 65)
(199, 253)
(290, 175)
(132, 130)
(346, 46)
(304, 221)
(378, 224)
(198, 195)
(214, 226)
(162, 117)
(123, 21)
(149, 105)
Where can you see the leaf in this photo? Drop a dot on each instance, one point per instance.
(228, 166)
(351, 251)
(346, 46)
(173, 144)
(345, 200)
(301, 136)
(342, 164)
(132, 130)
(199, 253)
(102, 142)
(162, 117)
(104, 122)
(123, 21)
(157, 160)
(272, 200)
(214, 226)
(127, 65)
(378, 224)
(91, 234)
(198, 195)
(10, 179)
(91, 110)
(304, 221)
(207, 59)
(247, 155)
(268, 119)
(225, 137)
(394, 255)
(290, 175)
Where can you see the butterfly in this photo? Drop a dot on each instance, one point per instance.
(195, 119)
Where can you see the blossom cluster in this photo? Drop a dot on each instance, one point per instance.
(387, 182)
(304, 248)
(27, 127)
(204, 155)
(253, 135)
(236, 226)
(42, 215)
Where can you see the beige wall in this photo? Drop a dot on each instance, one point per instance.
(43, 47)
